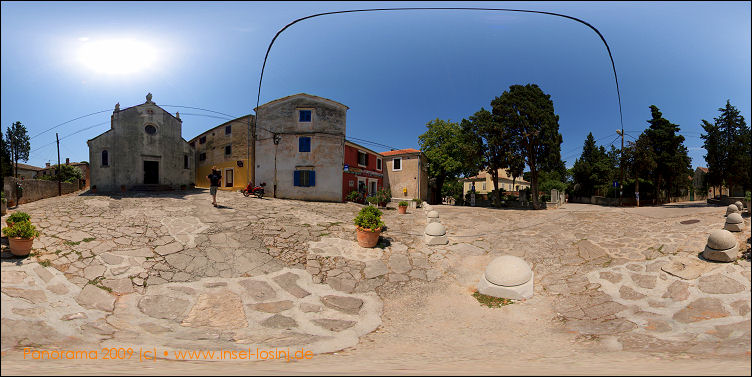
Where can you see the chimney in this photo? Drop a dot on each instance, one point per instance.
(47, 164)
(67, 160)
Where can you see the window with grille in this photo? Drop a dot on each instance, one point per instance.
(362, 158)
(304, 178)
(304, 144)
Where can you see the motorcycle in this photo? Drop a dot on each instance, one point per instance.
(254, 190)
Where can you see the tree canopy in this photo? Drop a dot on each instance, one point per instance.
(18, 143)
(673, 165)
(532, 130)
(727, 145)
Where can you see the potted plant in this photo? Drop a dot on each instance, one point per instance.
(384, 196)
(368, 225)
(373, 200)
(21, 237)
(17, 217)
(354, 197)
(418, 202)
(4, 204)
(94, 189)
(402, 207)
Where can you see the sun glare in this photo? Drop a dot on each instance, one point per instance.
(116, 56)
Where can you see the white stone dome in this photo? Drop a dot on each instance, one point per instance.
(435, 229)
(732, 208)
(734, 218)
(721, 239)
(508, 271)
(739, 205)
(433, 214)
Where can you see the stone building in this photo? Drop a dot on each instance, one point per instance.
(226, 147)
(83, 166)
(143, 148)
(300, 142)
(363, 171)
(406, 174)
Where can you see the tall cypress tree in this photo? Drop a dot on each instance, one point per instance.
(672, 161)
(728, 150)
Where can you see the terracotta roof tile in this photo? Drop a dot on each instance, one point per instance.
(400, 151)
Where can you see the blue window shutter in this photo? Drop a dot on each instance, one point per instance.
(304, 144)
(296, 178)
(312, 178)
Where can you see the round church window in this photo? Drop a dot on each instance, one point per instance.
(151, 130)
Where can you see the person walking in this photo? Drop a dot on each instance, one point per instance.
(214, 178)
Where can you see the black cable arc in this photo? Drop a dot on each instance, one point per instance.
(613, 66)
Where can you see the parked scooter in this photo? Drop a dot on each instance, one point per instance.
(254, 190)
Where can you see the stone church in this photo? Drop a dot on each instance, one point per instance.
(143, 149)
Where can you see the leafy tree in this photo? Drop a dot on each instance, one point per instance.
(727, 146)
(18, 142)
(670, 154)
(639, 160)
(532, 128)
(495, 146)
(594, 170)
(5, 160)
(447, 149)
(67, 173)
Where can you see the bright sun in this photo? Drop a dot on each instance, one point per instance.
(116, 56)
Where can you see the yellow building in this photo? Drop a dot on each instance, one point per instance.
(484, 183)
(226, 147)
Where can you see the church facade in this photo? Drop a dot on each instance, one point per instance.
(143, 147)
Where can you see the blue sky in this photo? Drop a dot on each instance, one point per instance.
(395, 70)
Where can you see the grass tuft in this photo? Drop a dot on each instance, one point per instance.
(490, 301)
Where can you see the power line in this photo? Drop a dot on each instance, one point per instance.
(66, 136)
(66, 122)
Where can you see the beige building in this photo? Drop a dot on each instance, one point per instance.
(26, 171)
(300, 147)
(226, 147)
(484, 184)
(406, 174)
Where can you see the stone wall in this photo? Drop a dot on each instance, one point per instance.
(412, 176)
(34, 189)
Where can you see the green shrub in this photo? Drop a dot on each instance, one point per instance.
(748, 195)
(384, 195)
(23, 229)
(418, 202)
(18, 217)
(369, 218)
(402, 203)
(373, 199)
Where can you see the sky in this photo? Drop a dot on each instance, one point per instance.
(395, 70)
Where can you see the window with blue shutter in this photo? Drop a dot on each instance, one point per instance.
(304, 115)
(304, 178)
(304, 144)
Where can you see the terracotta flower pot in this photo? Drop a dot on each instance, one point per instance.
(20, 247)
(122, 188)
(368, 237)
(402, 209)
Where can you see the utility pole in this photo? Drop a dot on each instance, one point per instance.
(57, 170)
(621, 165)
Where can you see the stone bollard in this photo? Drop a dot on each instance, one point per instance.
(734, 223)
(740, 206)
(432, 217)
(435, 234)
(732, 208)
(509, 277)
(721, 247)
(427, 207)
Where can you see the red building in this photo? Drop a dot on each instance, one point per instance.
(363, 170)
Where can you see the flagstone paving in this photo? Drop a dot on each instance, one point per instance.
(171, 270)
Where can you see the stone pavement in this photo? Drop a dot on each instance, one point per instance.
(173, 271)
